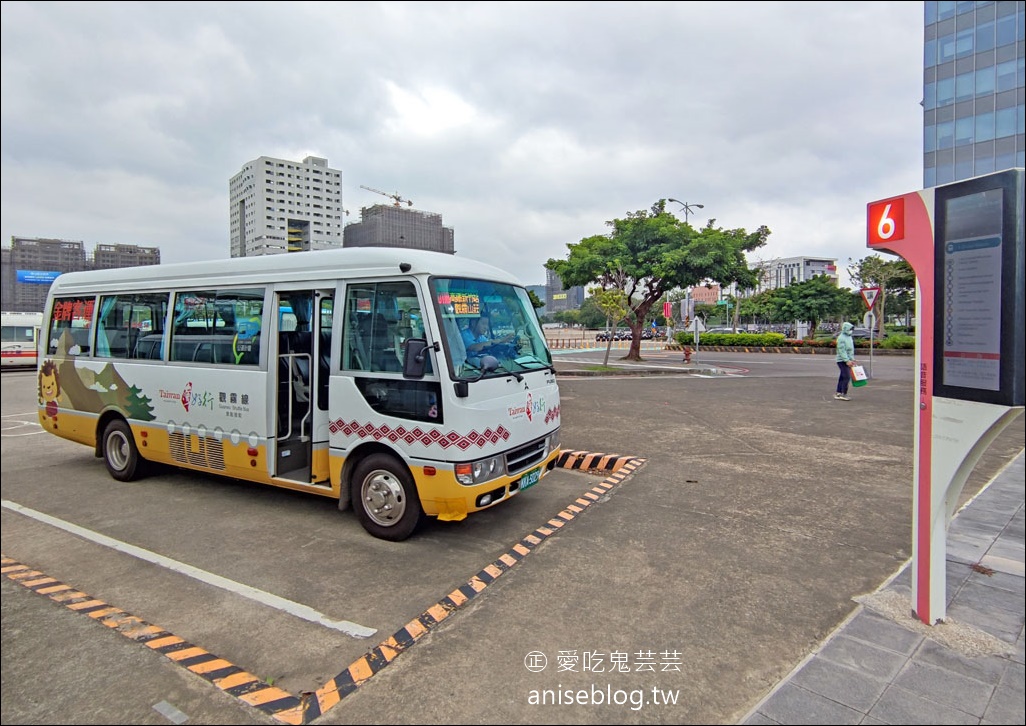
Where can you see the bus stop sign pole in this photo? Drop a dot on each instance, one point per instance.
(964, 241)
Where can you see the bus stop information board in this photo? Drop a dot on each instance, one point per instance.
(971, 339)
(978, 316)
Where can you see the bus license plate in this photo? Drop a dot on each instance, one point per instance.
(530, 478)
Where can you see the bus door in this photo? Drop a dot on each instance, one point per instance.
(301, 365)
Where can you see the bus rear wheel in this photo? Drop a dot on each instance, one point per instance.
(120, 453)
(385, 498)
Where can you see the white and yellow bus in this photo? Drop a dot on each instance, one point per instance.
(343, 373)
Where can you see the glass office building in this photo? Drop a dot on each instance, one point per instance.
(973, 89)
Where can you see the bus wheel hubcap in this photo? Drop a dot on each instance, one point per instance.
(383, 498)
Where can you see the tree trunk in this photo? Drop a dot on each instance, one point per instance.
(634, 352)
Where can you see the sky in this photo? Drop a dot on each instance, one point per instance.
(525, 125)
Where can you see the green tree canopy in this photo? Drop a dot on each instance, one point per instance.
(815, 299)
(568, 317)
(613, 303)
(649, 253)
(591, 314)
(893, 277)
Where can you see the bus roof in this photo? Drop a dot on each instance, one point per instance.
(11, 317)
(297, 266)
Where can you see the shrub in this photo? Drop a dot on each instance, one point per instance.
(898, 342)
(753, 340)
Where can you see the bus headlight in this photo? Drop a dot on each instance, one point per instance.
(481, 470)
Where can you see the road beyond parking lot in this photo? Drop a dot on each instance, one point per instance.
(683, 593)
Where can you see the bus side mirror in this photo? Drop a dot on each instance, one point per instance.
(415, 358)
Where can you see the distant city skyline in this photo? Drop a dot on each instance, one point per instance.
(522, 137)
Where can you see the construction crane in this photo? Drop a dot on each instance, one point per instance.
(396, 199)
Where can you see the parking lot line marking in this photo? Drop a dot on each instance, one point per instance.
(230, 679)
(273, 701)
(295, 609)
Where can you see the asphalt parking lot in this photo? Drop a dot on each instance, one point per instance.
(755, 509)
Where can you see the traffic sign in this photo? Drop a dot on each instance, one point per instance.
(869, 295)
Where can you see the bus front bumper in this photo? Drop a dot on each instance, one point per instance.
(443, 497)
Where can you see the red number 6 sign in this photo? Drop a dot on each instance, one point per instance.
(886, 221)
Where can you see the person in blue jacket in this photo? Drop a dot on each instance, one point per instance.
(477, 340)
(845, 360)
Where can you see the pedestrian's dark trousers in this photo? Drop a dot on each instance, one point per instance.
(844, 378)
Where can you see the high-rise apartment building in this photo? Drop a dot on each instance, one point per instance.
(279, 206)
(973, 89)
(384, 225)
(30, 264)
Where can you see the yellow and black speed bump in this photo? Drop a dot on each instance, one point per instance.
(304, 709)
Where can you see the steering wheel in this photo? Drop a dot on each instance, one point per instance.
(502, 350)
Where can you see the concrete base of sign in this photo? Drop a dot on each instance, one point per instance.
(962, 431)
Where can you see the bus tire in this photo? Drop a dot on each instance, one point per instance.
(385, 497)
(120, 453)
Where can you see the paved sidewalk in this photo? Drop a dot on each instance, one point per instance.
(884, 666)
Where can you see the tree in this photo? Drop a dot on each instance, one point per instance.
(891, 276)
(613, 303)
(536, 302)
(757, 308)
(591, 315)
(813, 300)
(649, 253)
(708, 312)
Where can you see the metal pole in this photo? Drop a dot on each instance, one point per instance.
(694, 322)
(872, 327)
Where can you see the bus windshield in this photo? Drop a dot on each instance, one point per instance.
(482, 319)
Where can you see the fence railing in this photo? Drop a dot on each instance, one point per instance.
(573, 342)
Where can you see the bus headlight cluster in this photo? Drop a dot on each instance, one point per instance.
(481, 470)
(552, 442)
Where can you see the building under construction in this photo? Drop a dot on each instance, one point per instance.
(384, 225)
(30, 264)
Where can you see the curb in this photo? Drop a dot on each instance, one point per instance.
(637, 371)
(797, 349)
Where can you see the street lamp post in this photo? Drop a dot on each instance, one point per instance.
(688, 208)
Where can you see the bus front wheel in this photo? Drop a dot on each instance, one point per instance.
(385, 498)
(119, 451)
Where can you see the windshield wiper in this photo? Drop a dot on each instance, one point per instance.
(491, 364)
(534, 363)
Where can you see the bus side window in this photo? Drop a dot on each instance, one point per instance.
(70, 326)
(355, 356)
